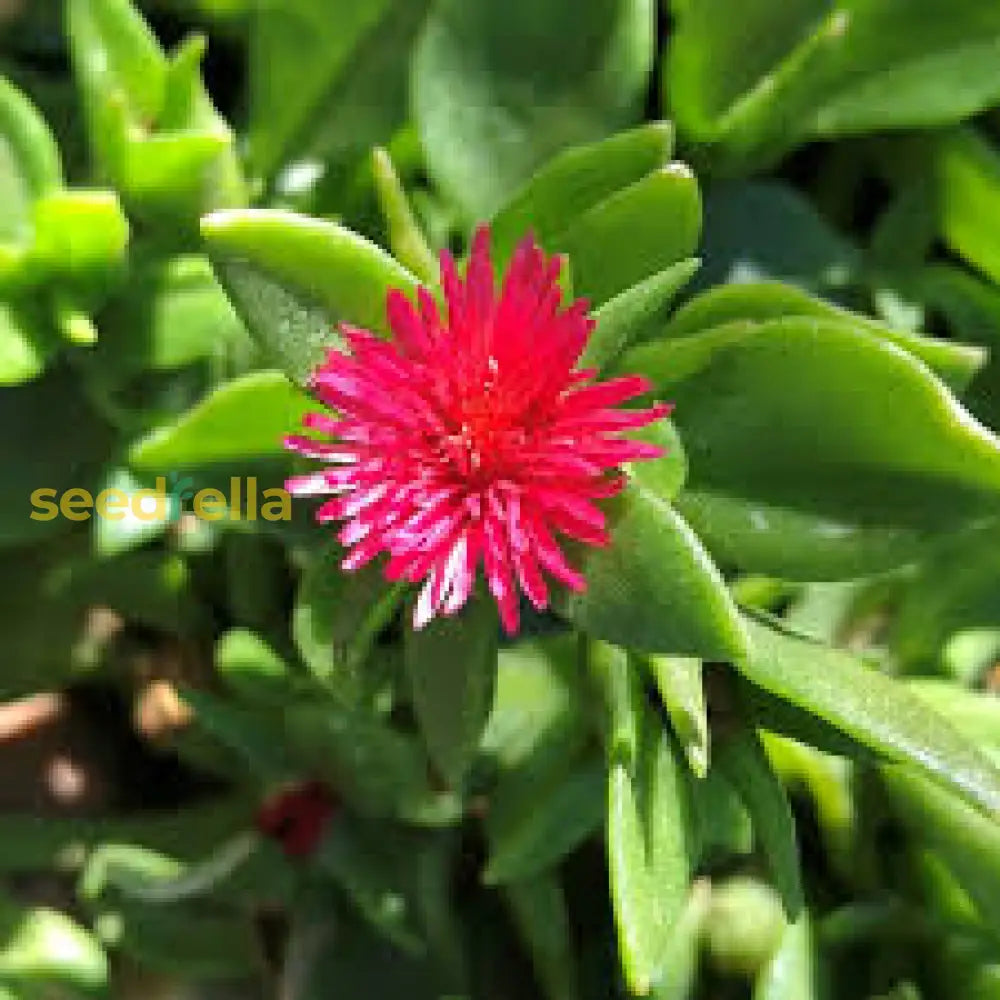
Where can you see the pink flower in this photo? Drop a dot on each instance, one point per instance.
(472, 437)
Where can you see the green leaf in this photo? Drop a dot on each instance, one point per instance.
(538, 719)
(251, 668)
(306, 62)
(182, 940)
(681, 965)
(955, 590)
(723, 825)
(253, 734)
(634, 314)
(112, 537)
(247, 417)
(967, 172)
(148, 587)
(956, 364)
(379, 770)
(135, 872)
(498, 88)
(298, 57)
(872, 709)
(822, 70)
(53, 440)
(649, 842)
(293, 279)
(793, 544)
(25, 345)
(117, 54)
(967, 841)
(576, 180)
(767, 230)
(652, 224)
(451, 664)
(661, 477)
(43, 945)
(80, 236)
(407, 242)
(541, 915)
(896, 454)
(154, 130)
(29, 162)
(679, 682)
(338, 617)
(31, 144)
(533, 829)
(172, 314)
(654, 588)
(745, 764)
(794, 971)
(372, 865)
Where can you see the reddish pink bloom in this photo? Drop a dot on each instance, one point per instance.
(472, 437)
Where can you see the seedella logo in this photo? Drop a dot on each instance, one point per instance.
(170, 497)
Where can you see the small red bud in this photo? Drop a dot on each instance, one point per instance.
(297, 817)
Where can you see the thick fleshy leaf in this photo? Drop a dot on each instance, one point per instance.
(53, 441)
(338, 617)
(118, 56)
(25, 345)
(171, 314)
(956, 364)
(870, 708)
(635, 314)
(293, 279)
(255, 735)
(406, 239)
(379, 770)
(649, 838)
(662, 477)
(899, 452)
(451, 664)
(825, 70)
(794, 544)
(679, 682)
(958, 589)
(576, 180)
(534, 829)
(493, 82)
(967, 172)
(652, 224)
(251, 668)
(373, 866)
(306, 62)
(242, 419)
(538, 719)
(654, 588)
(182, 940)
(80, 237)
(758, 230)
(541, 915)
(153, 127)
(967, 841)
(29, 162)
(794, 972)
(41, 945)
(299, 54)
(679, 973)
(744, 762)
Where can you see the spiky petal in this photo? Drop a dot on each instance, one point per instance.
(471, 438)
